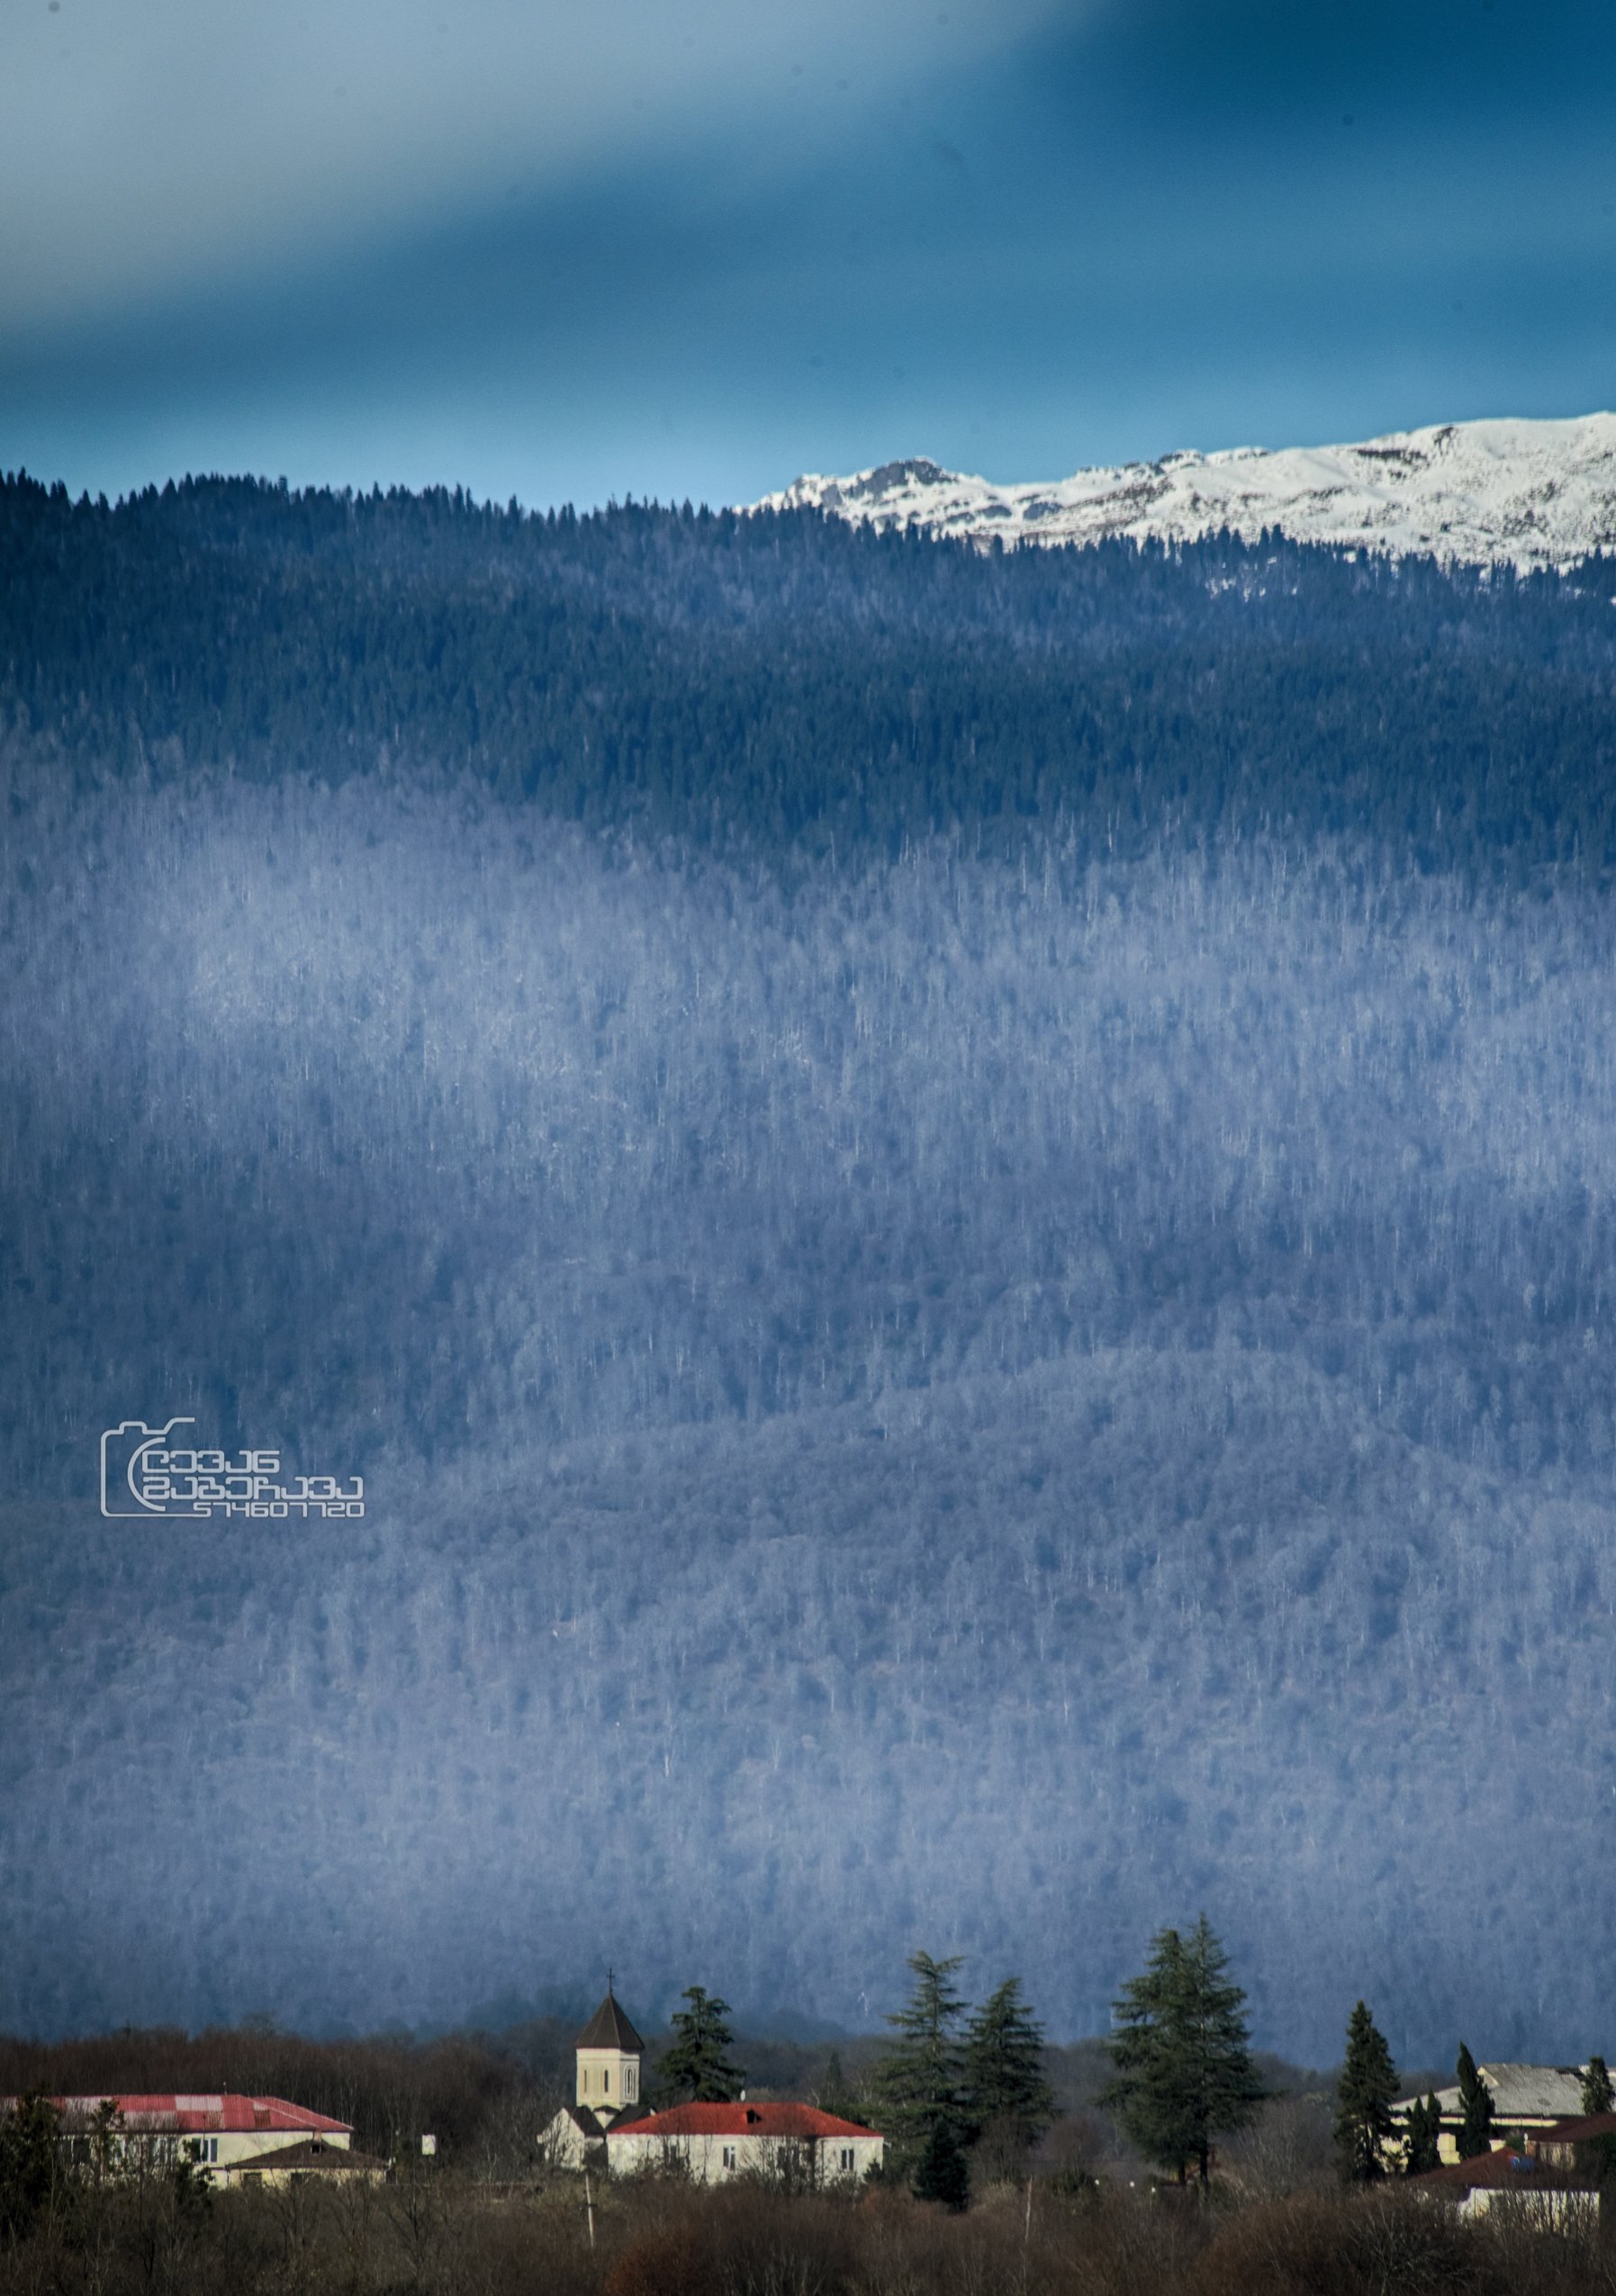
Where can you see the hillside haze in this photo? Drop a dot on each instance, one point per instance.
(959, 1209)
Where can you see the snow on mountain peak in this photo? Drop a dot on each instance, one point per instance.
(1519, 492)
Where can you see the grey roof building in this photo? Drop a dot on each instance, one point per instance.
(1527, 2099)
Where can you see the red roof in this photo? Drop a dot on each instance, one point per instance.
(1508, 2169)
(186, 2115)
(1580, 2131)
(801, 2120)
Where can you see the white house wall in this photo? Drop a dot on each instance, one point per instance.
(713, 2160)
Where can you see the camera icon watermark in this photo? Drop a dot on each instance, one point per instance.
(146, 1477)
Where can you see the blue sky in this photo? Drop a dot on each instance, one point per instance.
(693, 249)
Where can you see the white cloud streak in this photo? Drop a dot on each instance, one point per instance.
(149, 146)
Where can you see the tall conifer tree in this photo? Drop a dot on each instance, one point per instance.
(1005, 2086)
(695, 2069)
(1364, 2098)
(1182, 2054)
(941, 2172)
(1475, 2109)
(1423, 2137)
(917, 2087)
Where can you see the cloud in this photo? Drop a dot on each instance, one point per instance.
(144, 151)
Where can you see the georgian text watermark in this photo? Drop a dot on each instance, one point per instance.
(146, 1476)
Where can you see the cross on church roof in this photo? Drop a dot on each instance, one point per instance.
(608, 2028)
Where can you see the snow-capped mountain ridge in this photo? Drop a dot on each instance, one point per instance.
(1515, 491)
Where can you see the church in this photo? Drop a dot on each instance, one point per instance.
(609, 2124)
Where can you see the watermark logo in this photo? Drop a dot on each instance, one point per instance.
(146, 1477)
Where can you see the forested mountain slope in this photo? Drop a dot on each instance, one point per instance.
(787, 679)
(932, 1366)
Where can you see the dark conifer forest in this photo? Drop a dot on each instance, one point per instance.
(961, 1208)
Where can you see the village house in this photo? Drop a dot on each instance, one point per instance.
(1528, 2099)
(1588, 2140)
(236, 2139)
(711, 2142)
(610, 2124)
(1533, 2187)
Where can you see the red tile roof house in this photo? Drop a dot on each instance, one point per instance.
(1547, 2191)
(707, 2142)
(1587, 2138)
(234, 2138)
(712, 2142)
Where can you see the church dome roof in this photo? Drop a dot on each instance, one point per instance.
(609, 2028)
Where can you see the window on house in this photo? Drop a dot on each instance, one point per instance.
(631, 2082)
(846, 2157)
(606, 2081)
(729, 2155)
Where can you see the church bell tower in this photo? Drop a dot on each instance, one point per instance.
(608, 2061)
